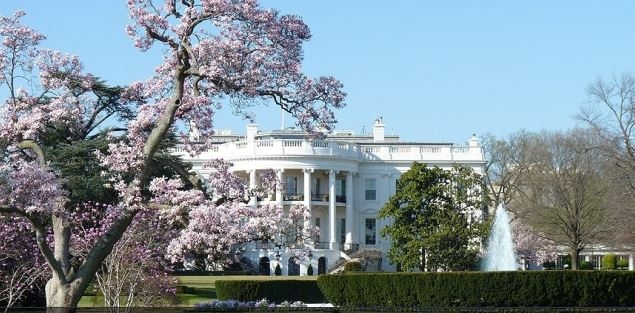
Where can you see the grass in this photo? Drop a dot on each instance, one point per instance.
(197, 289)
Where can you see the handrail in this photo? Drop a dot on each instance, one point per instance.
(359, 151)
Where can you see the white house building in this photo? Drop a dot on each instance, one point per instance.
(344, 179)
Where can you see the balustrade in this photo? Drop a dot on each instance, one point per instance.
(358, 151)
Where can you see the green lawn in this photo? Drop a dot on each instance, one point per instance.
(197, 289)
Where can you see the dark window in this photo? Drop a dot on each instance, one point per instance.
(371, 231)
(342, 230)
(321, 265)
(294, 267)
(263, 267)
(371, 189)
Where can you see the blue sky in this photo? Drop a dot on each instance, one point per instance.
(436, 71)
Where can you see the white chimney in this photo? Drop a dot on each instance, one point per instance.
(252, 130)
(473, 142)
(378, 129)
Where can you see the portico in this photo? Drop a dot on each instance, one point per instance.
(321, 188)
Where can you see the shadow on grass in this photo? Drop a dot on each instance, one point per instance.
(191, 296)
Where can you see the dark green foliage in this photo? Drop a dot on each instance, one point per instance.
(549, 265)
(586, 265)
(609, 262)
(309, 270)
(431, 216)
(481, 289)
(273, 290)
(71, 149)
(81, 170)
(278, 270)
(353, 266)
(622, 264)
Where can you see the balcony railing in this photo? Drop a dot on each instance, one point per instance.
(359, 151)
(293, 197)
(323, 197)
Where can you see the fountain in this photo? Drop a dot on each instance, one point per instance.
(500, 254)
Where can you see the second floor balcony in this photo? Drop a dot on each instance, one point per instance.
(349, 150)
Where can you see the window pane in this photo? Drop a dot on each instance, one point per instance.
(370, 231)
(371, 189)
(292, 185)
(317, 184)
(371, 195)
(371, 183)
(342, 230)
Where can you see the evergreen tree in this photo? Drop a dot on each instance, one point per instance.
(437, 219)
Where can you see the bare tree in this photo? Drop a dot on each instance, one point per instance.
(565, 190)
(610, 113)
(507, 164)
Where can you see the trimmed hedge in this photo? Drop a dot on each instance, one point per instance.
(273, 290)
(481, 289)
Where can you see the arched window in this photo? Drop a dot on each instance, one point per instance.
(294, 266)
(321, 265)
(264, 267)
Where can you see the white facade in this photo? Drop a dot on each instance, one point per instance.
(344, 179)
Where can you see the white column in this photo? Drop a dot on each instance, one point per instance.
(252, 186)
(349, 211)
(332, 239)
(631, 260)
(307, 187)
(307, 195)
(280, 178)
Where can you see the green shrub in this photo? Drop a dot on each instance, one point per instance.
(278, 270)
(586, 265)
(622, 264)
(481, 289)
(609, 262)
(309, 270)
(549, 265)
(273, 290)
(566, 261)
(353, 266)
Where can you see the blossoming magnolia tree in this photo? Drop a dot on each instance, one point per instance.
(218, 53)
(135, 272)
(533, 246)
(22, 269)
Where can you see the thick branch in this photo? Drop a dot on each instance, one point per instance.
(49, 256)
(30, 144)
(102, 249)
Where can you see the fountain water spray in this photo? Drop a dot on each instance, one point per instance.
(500, 254)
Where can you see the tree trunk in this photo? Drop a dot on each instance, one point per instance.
(61, 298)
(575, 253)
(423, 264)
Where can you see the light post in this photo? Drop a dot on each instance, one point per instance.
(309, 270)
(277, 254)
(278, 270)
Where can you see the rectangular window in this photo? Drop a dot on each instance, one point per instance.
(596, 262)
(342, 228)
(292, 185)
(317, 191)
(371, 231)
(340, 187)
(371, 189)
